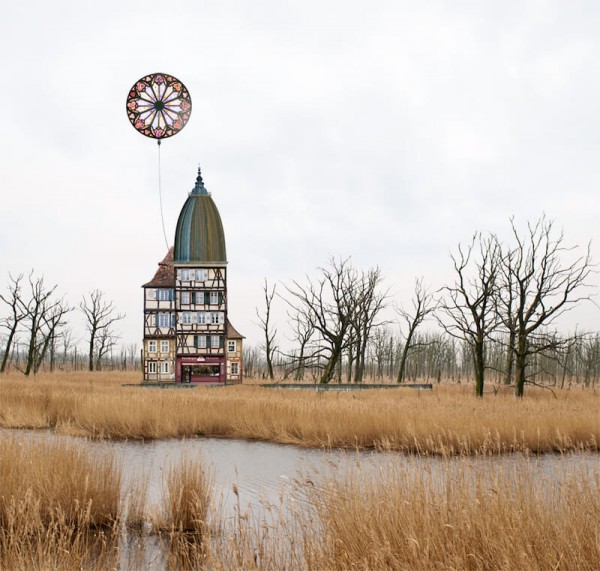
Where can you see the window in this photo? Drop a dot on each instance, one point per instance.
(185, 297)
(186, 318)
(164, 366)
(184, 275)
(216, 318)
(231, 346)
(201, 275)
(151, 346)
(164, 346)
(235, 368)
(202, 341)
(201, 318)
(214, 298)
(214, 341)
(165, 319)
(165, 294)
(152, 367)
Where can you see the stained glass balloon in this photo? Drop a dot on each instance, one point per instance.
(159, 105)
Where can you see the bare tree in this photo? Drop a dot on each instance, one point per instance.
(43, 320)
(469, 304)
(303, 332)
(268, 331)
(100, 315)
(538, 288)
(423, 304)
(368, 302)
(328, 307)
(17, 314)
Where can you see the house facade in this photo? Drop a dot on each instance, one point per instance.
(187, 334)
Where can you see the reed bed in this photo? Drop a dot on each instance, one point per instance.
(470, 515)
(59, 507)
(467, 514)
(447, 421)
(62, 507)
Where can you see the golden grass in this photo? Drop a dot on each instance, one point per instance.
(448, 420)
(466, 513)
(470, 515)
(59, 507)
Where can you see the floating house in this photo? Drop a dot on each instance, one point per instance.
(188, 337)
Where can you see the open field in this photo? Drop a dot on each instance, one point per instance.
(449, 420)
(67, 510)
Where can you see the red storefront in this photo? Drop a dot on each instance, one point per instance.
(209, 369)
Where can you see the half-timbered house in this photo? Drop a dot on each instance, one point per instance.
(187, 334)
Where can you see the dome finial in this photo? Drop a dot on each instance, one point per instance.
(199, 188)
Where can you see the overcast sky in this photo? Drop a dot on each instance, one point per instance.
(388, 131)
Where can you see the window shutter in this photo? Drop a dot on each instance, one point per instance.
(220, 297)
(156, 320)
(206, 298)
(221, 341)
(154, 295)
(196, 341)
(170, 295)
(172, 320)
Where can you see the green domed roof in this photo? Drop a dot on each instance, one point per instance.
(199, 236)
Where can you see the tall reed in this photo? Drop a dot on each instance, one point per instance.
(448, 420)
(59, 507)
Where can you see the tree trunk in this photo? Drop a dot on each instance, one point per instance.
(520, 366)
(479, 364)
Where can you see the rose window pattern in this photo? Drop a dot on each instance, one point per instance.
(159, 105)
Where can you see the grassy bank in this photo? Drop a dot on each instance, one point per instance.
(448, 420)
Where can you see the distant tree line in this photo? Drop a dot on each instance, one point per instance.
(496, 319)
(34, 332)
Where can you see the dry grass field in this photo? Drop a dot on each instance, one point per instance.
(449, 420)
(61, 508)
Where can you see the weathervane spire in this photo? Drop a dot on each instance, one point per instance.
(199, 188)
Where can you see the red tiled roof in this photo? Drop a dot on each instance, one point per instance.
(165, 275)
(232, 332)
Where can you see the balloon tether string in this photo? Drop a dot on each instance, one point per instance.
(162, 218)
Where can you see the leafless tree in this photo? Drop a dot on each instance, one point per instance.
(251, 357)
(423, 304)
(44, 318)
(328, 304)
(100, 316)
(17, 314)
(539, 286)
(468, 308)
(303, 332)
(368, 302)
(267, 327)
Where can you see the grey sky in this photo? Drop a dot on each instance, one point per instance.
(386, 131)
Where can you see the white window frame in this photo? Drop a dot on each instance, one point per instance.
(186, 318)
(164, 319)
(216, 318)
(201, 318)
(184, 275)
(214, 342)
(201, 275)
(163, 294)
(231, 346)
(164, 346)
(152, 346)
(164, 367)
(185, 298)
(213, 298)
(152, 367)
(202, 342)
(235, 368)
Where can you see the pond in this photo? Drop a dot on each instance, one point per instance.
(264, 473)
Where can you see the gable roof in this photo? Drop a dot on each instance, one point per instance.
(165, 275)
(232, 332)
